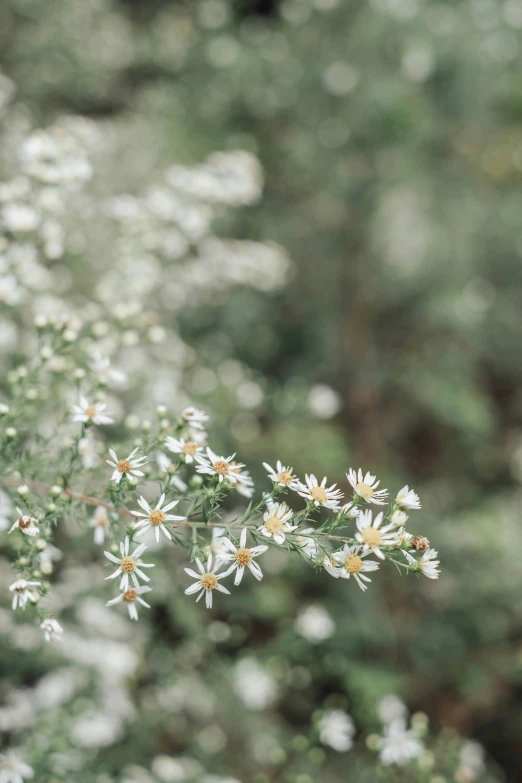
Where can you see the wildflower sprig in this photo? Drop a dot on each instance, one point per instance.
(186, 499)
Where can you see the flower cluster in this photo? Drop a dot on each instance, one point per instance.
(197, 484)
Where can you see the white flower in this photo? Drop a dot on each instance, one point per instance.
(88, 453)
(330, 566)
(207, 580)
(391, 708)
(100, 522)
(255, 687)
(350, 510)
(22, 594)
(129, 466)
(130, 597)
(20, 217)
(427, 565)
(129, 565)
(371, 535)
(319, 494)
(102, 365)
(25, 523)
(315, 623)
(166, 465)
(407, 498)
(306, 543)
(52, 629)
(403, 537)
(13, 769)
(366, 487)
(399, 518)
(352, 563)
(9, 290)
(276, 522)
(188, 448)
(217, 547)
(156, 517)
(85, 412)
(282, 476)
(244, 481)
(223, 467)
(243, 557)
(195, 417)
(399, 745)
(336, 730)
(471, 761)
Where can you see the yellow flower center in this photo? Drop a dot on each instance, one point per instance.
(102, 520)
(209, 581)
(353, 564)
(90, 411)
(274, 525)
(190, 448)
(24, 523)
(156, 517)
(364, 490)
(371, 536)
(285, 477)
(243, 557)
(129, 596)
(128, 564)
(319, 494)
(221, 467)
(124, 466)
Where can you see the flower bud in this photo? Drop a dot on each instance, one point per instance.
(10, 432)
(23, 490)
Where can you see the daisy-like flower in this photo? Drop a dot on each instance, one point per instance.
(166, 465)
(156, 517)
(319, 494)
(187, 448)
(100, 522)
(276, 522)
(129, 565)
(371, 535)
(429, 565)
(366, 487)
(244, 481)
(407, 498)
(93, 413)
(103, 366)
(131, 597)
(222, 467)
(52, 629)
(243, 558)
(25, 523)
(217, 547)
(207, 580)
(336, 729)
(281, 476)
(352, 563)
(330, 566)
(126, 467)
(195, 417)
(22, 592)
(306, 543)
(13, 769)
(399, 745)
